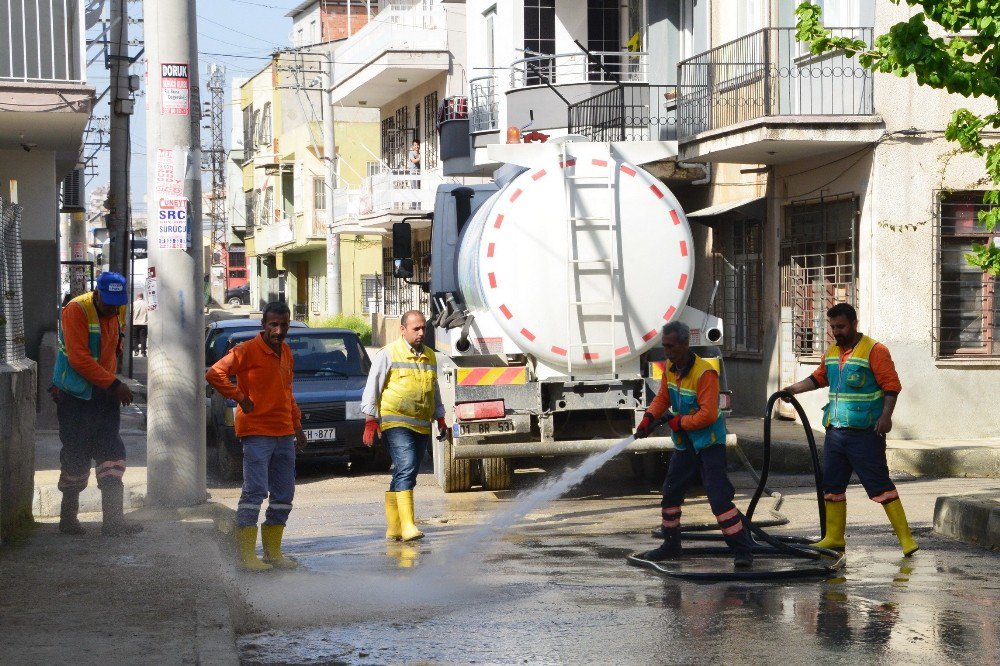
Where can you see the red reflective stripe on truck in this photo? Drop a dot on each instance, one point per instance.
(670, 313)
(473, 377)
(516, 194)
(489, 250)
(656, 191)
(649, 336)
(621, 351)
(506, 312)
(538, 175)
(675, 217)
(591, 356)
(496, 225)
(493, 280)
(628, 171)
(684, 248)
(528, 334)
(681, 283)
(559, 350)
(600, 162)
(512, 376)
(567, 163)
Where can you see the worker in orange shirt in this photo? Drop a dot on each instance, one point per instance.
(88, 399)
(689, 395)
(864, 388)
(268, 423)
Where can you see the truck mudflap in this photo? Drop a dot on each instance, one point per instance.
(486, 449)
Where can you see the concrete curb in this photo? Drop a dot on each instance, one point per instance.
(48, 498)
(970, 518)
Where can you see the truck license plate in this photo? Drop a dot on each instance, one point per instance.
(321, 434)
(486, 427)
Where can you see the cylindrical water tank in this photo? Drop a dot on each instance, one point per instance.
(580, 261)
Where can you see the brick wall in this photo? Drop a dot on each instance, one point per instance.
(334, 19)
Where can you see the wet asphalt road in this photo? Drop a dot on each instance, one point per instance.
(556, 589)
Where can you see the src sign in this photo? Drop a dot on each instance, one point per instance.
(175, 89)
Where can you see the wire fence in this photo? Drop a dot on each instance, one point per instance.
(11, 284)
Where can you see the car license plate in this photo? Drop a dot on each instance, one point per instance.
(321, 434)
(486, 427)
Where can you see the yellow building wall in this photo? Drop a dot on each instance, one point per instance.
(357, 144)
(359, 256)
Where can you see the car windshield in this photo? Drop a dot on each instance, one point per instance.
(328, 354)
(218, 343)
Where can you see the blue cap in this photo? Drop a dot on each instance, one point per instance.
(112, 288)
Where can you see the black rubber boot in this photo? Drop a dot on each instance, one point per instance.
(743, 559)
(68, 522)
(669, 549)
(112, 503)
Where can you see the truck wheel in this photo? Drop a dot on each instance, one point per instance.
(498, 473)
(454, 476)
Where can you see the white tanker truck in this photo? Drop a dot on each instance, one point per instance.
(549, 290)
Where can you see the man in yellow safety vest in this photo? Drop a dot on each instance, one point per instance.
(401, 399)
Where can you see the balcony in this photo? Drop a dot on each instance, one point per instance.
(629, 112)
(764, 99)
(396, 193)
(402, 44)
(483, 106)
(43, 77)
(531, 102)
(273, 235)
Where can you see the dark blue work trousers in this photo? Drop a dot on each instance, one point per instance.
(847, 450)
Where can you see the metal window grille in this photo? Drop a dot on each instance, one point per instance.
(11, 285)
(819, 268)
(369, 293)
(319, 194)
(398, 296)
(483, 100)
(429, 148)
(966, 307)
(397, 135)
(739, 270)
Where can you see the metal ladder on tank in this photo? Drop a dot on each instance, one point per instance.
(575, 264)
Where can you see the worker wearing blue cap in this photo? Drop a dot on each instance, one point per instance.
(88, 399)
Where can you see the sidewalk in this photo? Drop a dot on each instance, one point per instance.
(155, 598)
(973, 518)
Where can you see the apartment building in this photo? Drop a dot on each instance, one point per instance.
(865, 202)
(45, 103)
(283, 173)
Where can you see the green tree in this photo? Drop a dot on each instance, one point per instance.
(965, 61)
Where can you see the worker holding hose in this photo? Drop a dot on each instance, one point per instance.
(864, 387)
(689, 397)
(401, 398)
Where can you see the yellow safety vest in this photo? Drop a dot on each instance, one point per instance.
(407, 399)
(64, 376)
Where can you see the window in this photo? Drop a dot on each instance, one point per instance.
(429, 146)
(539, 38)
(818, 268)
(396, 139)
(372, 167)
(966, 305)
(267, 209)
(490, 19)
(319, 194)
(369, 293)
(240, 274)
(604, 36)
(840, 13)
(237, 258)
(739, 270)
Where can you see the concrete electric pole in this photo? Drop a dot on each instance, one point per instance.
(120, 100)
(334, 297)
(176, 400)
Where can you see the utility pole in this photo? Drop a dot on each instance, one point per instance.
(176, 399)
(217, 164)
(334, 297)
(120, 101)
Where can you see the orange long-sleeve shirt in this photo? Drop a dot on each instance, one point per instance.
(708, 401)
(265, 378)
(76, 334)
(879, 360)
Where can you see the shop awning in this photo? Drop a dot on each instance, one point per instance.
(751, 207)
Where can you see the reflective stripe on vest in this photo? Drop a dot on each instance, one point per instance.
(856, 400)
(407, 399)
(64, 376)
(684, 401)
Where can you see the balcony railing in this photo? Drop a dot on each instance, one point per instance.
(483, 103)
(42, 41)
(395, 191)
(564, 68)
(770, 73)
(400, 26)
(629, 112)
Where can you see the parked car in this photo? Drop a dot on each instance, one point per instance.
(331, 368)
(217, 335)
(238, 295)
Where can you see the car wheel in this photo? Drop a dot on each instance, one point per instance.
(235, 300)
(229, 465)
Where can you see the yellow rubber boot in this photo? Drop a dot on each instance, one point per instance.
(404, 504)
(836, 522)
(270, 536)
(246, 549)
(897, 517)
(392, 531)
